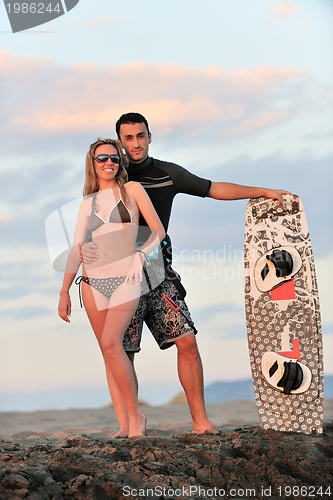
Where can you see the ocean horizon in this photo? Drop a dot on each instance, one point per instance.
(153, 394)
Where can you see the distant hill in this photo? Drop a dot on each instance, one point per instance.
(218, 392)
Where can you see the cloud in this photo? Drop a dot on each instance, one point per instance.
(284, 9)
(42, 188)
(98, 22)
(260, 121)
(221, 224)
(43, 99)
(58, 109)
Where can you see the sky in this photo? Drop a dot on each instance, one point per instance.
(237, 91)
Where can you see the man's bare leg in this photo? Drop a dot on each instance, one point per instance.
(191, 377)
(190, 374)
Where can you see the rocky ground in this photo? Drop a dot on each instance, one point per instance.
(244, 462)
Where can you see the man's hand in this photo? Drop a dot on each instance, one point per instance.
(89, 253)
(275, 194)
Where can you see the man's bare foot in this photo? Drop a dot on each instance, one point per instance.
(138, 428)
(204, 427)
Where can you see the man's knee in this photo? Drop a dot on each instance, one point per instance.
(187, 344)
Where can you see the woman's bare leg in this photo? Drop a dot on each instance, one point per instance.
(117, 320)
(97, 321)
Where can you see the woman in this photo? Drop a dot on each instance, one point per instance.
(111, 287)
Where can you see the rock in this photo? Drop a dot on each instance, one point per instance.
(180, 398)
(90, 466)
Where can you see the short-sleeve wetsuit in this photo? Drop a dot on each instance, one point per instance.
(167, 320)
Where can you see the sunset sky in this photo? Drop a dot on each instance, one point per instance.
(237, 91)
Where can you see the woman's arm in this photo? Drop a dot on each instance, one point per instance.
(148, 211)
(73, 261)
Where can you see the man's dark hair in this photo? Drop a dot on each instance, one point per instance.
(131, 118)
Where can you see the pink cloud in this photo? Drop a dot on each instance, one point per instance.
(6, 219)
(47, 99)
(258, 122)
(100, 21)
(285, 9)
(10, 66)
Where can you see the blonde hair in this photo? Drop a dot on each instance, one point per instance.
(91, 181)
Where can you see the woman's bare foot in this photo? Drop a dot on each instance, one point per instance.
(138, 427)
(120, 434)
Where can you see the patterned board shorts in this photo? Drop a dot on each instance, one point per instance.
(167, 321)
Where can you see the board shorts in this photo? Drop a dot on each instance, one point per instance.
(168, 320)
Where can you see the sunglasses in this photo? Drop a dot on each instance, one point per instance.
(104, 158)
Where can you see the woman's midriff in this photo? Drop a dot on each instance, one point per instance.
(116, 249)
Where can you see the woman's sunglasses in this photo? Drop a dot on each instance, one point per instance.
(104, 158)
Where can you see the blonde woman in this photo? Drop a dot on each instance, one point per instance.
(109, 215)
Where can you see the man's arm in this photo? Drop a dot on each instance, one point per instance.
(229, 191)
(188, 183)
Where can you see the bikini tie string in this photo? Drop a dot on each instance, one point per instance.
(78, 281)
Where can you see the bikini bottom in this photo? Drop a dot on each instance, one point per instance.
(106, 286)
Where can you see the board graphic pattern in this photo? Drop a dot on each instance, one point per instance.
(283, 325)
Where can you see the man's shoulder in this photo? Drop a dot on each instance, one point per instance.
(167, 166)
(164, 162)
(183, 180)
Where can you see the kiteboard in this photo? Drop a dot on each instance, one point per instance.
(283, 316)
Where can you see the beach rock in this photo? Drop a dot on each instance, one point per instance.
(236, 462)
(180, 398)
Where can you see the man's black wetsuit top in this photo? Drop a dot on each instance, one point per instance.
(162, 181)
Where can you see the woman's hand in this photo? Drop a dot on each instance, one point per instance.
(135, 271)
(65, 306)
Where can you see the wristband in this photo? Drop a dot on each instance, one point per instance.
(145, 260)
(64, 292)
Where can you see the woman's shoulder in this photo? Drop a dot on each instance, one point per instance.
(133, 187)
(86, 203)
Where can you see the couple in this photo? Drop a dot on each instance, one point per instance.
(112, 270)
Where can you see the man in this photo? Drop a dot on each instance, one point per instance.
(164, 309)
